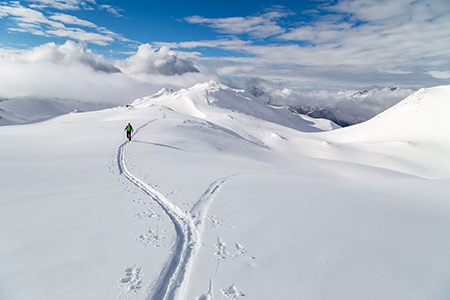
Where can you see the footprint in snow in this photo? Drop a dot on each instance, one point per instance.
(147, 214)
(223, 251)
(214, 222)
(132, 280)
(232, 293)
(153, 237)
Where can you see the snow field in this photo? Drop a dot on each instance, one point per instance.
(210, 202)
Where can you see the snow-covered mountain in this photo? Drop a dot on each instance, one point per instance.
(32, 108)
(220, 104)
(218, 196)
(420, 117)
(410, 137)
(343, 108)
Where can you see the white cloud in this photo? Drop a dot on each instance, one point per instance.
(28, 28)
(236, 69)
(70, 53)
(261, 26)
(318, 34)
(388, 34)
(343, 107)
(227, 44)
(62, 4)
(73, 71)
(348, 44)
(69, 19)
(36, 23)
(81, 35)
(403, 37)
(150, 60)
(23, 15)
(146, 60)
(396, 71)
(439, 74)
(112, 10)
(376, 99)
(392, 12)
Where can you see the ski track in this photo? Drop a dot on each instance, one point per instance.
(188, 227)
(200, 209)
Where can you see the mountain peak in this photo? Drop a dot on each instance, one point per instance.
(430, 103)
(217, 102)
(209, 85)
(422, 116)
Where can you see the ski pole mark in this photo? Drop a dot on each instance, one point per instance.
(209, 295)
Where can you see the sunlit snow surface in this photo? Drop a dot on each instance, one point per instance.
(220, 197)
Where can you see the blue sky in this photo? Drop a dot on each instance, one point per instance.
(296, 45)
(140, 22)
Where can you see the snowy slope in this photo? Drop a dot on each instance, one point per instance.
(29, 109)
(420, 117)
(214, 200)
(216, 102)
(411, 137)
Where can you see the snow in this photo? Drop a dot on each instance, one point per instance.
(32, 109)
(220, 197)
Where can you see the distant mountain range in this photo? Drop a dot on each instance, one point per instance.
(344, 108)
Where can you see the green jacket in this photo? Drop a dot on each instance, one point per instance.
(129, 128)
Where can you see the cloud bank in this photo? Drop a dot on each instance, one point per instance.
(73, 71)
(342, 45)
(67, 54)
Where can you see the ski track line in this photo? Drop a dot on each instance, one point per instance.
(172, 279)
(198, 212)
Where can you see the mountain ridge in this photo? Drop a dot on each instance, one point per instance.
(217, 102)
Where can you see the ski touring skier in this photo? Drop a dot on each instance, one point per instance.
(129, 130)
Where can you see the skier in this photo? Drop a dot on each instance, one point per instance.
(129, 130)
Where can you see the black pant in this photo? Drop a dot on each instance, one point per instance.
(129, 135)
